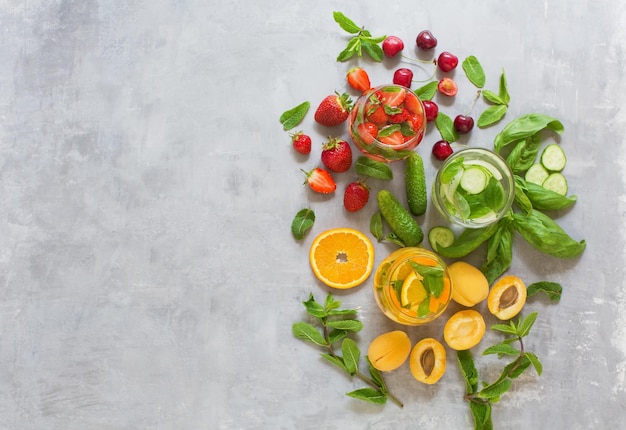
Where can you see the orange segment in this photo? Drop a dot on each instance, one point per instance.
(342, 257)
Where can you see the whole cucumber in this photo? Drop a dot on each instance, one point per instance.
(399, 219)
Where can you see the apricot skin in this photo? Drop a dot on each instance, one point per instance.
(469, 284)
(464, 330)
(428, 361)
(389, 350)
(507, 297)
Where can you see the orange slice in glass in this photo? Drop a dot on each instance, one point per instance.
(342, 257)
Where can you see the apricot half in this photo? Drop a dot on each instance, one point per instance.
(389, 350)
(507, 297)
(464, 329)
(469, 285)
(428, 361)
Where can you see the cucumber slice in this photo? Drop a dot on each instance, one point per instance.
(536, 174)
(474, 180)
(440, 236)
(553, 158)
(556, 182)
(492, 169)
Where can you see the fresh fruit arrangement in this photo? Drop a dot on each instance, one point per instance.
(380, 123)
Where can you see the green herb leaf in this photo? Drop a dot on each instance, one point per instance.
(524, 326)
(445, 125)
(491, 115)
(524, 154)
(331, 303)
(535, 362)
(474, 71)
(376, 226)
(525, 126)
(349, 325)
(515, 369)
(481, 412)
(314, 308)
(341, 312)
(503, 91)
(308, 333)
(492, 97)
(547, 200)
(375, 169)
(337, 335)
(551, 289)
(337, 361)
(346, 23)
(467, 241)
(504, 328)
(468, 370)
(292, 117)
(496, 390)
(377, 377)
(393, 238)
(369, 395)
(499, 251)
(351, 355)
(373, 50)
(303, 221)
(427, 91)
(546, 235)
(501, 349)
(521, 195)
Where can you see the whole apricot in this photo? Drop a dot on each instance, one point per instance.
(464, 330)
(389, 350)
(469, 285)
(428, 361)
(507, 297)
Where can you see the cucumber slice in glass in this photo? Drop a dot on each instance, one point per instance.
(556, 182)
(553, 158)
(474, 180)
(536, 174)
(440, 236)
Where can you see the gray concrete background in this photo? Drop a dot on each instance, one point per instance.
(148, 277)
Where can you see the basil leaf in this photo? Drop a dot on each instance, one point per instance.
(499, 252)
(551, 289)
(521, 197)
(525, 126)
(491, 115)
(369, 395)
(546, 235)
(427, 91)
(503, 91)
(492, 97)
(467, 241)
(292, 117)
(351, 355)
(346, 23)
(445, 125)
(547, 200)
(376, 226)
(474, 71)
(375, 169)
(524, 154)
(308, 333)
(304, 220)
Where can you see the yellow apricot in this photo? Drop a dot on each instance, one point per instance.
(428, 361)
(464, 329)
(507, 297)
(469, 285)
(389, 350)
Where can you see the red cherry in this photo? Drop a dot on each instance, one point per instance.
(425, 40)
(463, 123)
(442, 149)
(403, 77)
(447, 61)
(392, 45)
(431, 109)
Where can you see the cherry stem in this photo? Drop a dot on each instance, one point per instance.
(471, 107)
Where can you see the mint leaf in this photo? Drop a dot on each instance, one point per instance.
(427, 91)
(481, 413)
(346, 23)
(304, 220)
(468, 369)
(313, 308)
(491, 115)
(535, 362)
(551, 289)
(376, 226)
(445, 125)
(292, 117)
(337, 361)
(501, 349)
(495, 391)
(351, 355)
(336, 335)
(503, 91)
(524, 326)
(375, 169)
(372, 49)
(492, 97)
(504, 328)
(349, 325)
(377, 377)
(370, 395)
(308, 333)
(474, 71)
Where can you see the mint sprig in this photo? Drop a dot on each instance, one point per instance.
(333, 326)
(361, 41)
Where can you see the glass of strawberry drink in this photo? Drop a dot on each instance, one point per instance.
(387, 122)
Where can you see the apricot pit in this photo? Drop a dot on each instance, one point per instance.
(469, 285)
(507, 297)
(389, 350)
(428, 361)
(464, 330)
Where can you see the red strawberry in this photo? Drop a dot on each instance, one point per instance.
(399, 117)
(358, 79)
(416, 122)
(320, 181)
(367, 132)
(394, 138)
(412, 104)
(334, 109)
(393, 98)
(355, 196)
(337, 155)
(377, 115)
(301, 142)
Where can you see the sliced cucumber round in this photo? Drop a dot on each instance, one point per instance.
(440, 236)
(536, 174)
(556, 182)
(553, 158)
(474, 180)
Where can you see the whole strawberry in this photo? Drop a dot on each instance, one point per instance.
(337, 155)
(320, 181)
(333, 110)
(301, 142)
(355, 196)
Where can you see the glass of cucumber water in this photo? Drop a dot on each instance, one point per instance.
(474, 187)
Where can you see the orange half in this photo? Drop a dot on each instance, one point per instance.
(342, 257)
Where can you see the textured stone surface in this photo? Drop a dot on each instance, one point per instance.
(148, 277)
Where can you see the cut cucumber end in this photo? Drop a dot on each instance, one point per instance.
(536, 174)
(440, 236)
(474, 180)
(553, 158)
(556, 182)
